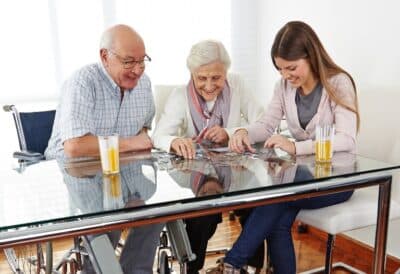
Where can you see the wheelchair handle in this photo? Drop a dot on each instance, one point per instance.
(8, 108)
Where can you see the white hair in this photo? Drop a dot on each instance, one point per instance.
(109, 36)
(107, 39)
(206, 52)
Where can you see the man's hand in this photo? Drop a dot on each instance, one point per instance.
(217, 134)
(279, 141)
(84, 146)
(183, 147)
(141, 141)
(240, 142)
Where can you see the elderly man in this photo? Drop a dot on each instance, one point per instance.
(113, 96)
(100, 99)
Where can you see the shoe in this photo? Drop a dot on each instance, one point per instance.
(253, 270)
(230, 269)
(219, 269)
(225, 268)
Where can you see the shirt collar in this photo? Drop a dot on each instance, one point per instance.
(116, 89)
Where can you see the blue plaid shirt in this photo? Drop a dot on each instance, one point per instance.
(90, 103)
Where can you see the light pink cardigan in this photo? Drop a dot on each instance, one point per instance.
(283, 105)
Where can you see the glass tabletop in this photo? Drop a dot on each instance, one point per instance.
(61, 190)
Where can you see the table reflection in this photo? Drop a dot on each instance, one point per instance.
(304, 168)
(210, 173)
(90, 191)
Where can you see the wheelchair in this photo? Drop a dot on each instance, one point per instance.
(33, 132)
(174, 245)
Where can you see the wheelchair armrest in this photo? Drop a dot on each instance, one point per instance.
(29, 156)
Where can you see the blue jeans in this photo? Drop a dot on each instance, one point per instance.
(273, 222)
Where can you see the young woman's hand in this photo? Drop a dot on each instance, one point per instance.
(279, 141)
(240, 142)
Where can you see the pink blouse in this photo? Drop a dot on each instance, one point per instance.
(283, 105)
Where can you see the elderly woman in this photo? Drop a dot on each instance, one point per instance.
(211, 105)
(208, 109)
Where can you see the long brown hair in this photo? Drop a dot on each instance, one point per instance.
(297, 40)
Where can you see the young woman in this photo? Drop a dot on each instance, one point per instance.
(313, 90)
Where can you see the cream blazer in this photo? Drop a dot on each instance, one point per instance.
(176, 121)
(283, 104)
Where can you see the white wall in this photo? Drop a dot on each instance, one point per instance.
(245, 46)
(45, 41)
(361, 36)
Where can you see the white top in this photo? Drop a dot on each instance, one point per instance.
(176, 121)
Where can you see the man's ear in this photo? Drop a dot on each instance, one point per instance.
(104, 57)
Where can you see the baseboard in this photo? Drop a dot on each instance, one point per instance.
(336, 266)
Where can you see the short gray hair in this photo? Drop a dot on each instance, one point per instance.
(107, 39)
(206, 52)
(110, 35)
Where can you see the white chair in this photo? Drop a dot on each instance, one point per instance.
(161, 94)
(377, 139)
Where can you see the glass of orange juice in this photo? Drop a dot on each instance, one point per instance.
(112, 192)
(109, 153)
(322, 170)
(324, 143)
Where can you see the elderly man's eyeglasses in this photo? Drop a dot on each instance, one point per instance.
(130, 63)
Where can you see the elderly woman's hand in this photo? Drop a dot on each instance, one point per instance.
(279, 141)
(217, 134)
(186, 166)
(240, 142)
(183, 147)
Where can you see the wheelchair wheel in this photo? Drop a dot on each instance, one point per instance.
(164, 264)
(30, 259)
(44, 260)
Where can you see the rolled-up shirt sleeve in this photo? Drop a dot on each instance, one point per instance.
(76, 110)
